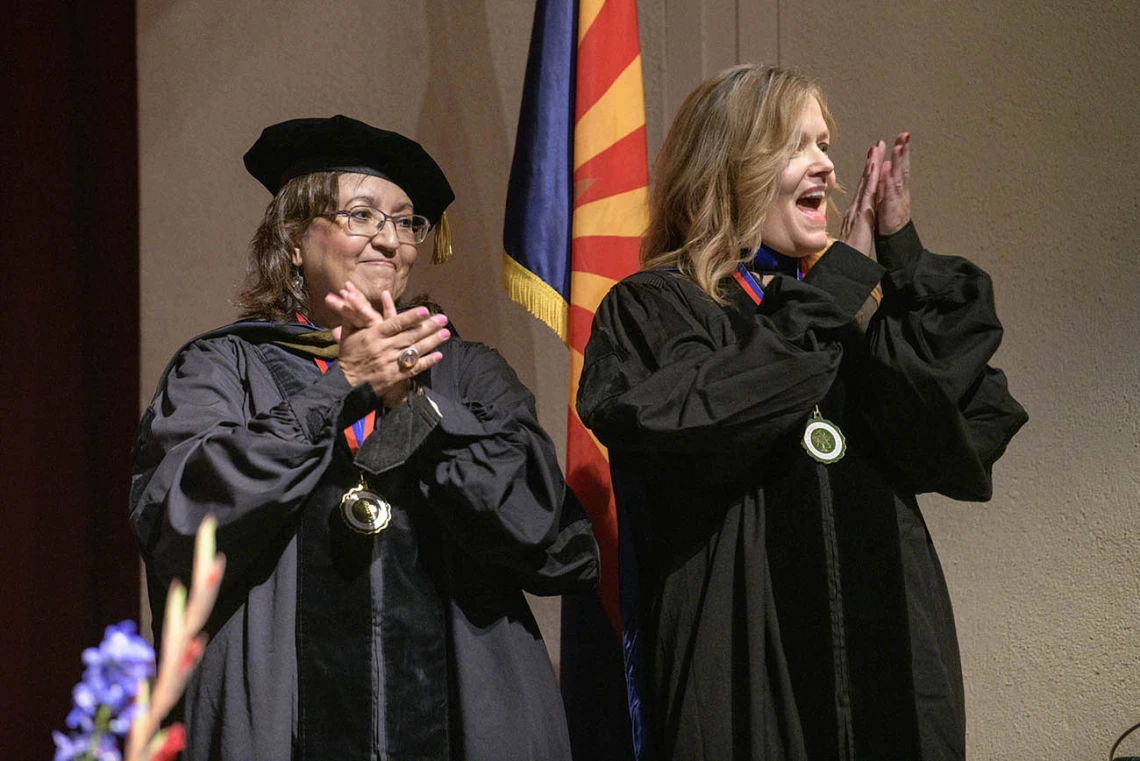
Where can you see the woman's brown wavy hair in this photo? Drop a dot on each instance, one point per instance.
(271, 291)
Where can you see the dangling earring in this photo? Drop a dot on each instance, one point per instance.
(298, 280)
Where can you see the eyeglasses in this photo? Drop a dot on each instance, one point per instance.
(368, 222)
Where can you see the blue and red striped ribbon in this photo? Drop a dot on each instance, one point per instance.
(355, 434)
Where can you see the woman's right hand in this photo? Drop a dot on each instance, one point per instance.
(371, 342)
(858, 226)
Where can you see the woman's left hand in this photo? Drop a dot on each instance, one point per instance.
(858, 226)
(892, 197)
(370, 341)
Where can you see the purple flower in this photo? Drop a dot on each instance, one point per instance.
(79, 747)
(82, 714)
(121, 660)
(104, 702)
(111, 677)
(68, 747)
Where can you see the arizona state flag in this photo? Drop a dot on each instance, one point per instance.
(577, 206)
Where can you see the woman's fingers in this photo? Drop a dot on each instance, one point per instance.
(375, 354)
(431, 334)
(360, 304)
(868, 181)
(884, 189)
(424, 362)
(388, 305)
(857, 227)
(900, 161)
(348, 316)
(892, 202)
(373, 343)
(880, 149)
(410, 324)
(354, 310)
(424, 338)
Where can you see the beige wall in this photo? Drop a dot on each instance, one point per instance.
(1023, 117)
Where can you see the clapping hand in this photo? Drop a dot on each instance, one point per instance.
(892, 198)
(372, 344)
(882, 198)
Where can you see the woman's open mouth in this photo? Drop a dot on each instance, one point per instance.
(813, 203)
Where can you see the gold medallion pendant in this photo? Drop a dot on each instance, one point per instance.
(364, 511)
(822, 440)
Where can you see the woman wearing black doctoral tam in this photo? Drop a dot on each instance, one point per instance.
(772, 402)
(383, 491)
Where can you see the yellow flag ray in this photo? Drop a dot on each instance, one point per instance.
(588, 10)
(610, 118)
(623, 215)
(587, 289)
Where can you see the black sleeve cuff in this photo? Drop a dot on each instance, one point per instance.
(330, 402)
(899, 250)
(847, 275)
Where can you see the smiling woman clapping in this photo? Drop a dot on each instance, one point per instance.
(772, 400)
(383, 490)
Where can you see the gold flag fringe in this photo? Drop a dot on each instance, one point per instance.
(536, 296)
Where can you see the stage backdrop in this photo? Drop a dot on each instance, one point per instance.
(1022, 116)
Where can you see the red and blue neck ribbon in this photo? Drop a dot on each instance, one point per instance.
(767, 262)
(355, 434)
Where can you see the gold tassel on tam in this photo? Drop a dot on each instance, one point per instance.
(442, 250)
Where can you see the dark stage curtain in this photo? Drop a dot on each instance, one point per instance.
(69, 296)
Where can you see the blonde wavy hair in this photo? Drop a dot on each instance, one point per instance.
(717, 171)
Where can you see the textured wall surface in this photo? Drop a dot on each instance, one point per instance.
(1023, 117)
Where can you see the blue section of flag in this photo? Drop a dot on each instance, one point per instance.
(536, 226)
(537, 235)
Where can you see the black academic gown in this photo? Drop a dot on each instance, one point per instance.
(415, 643)
(775, 607)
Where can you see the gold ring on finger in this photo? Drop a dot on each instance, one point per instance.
(408, 358)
